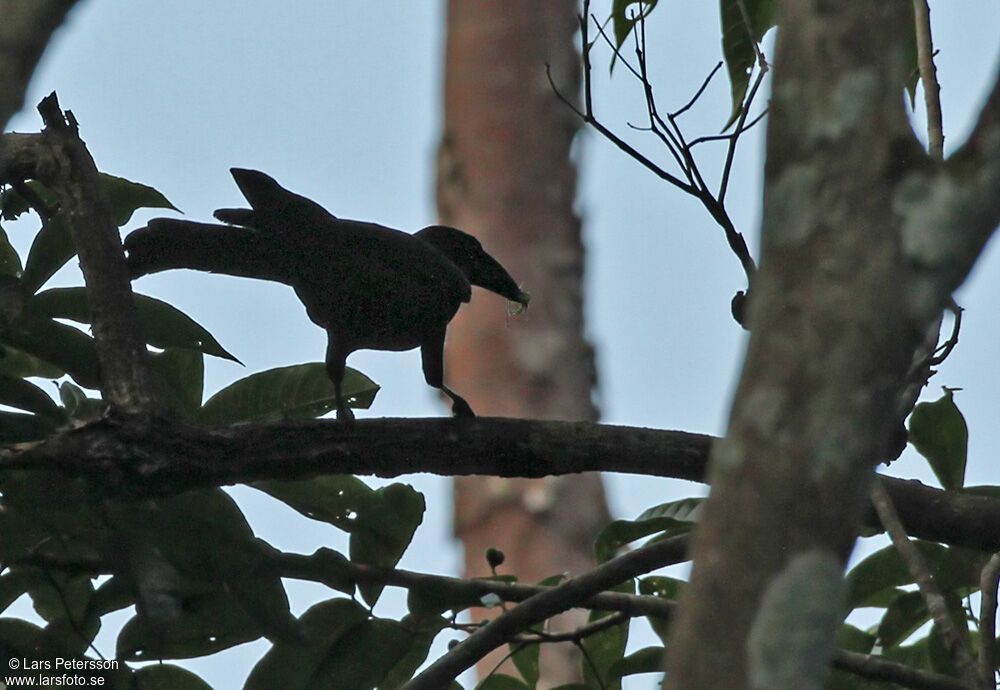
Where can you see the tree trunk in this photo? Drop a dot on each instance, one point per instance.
(864, 238)
(505, 175)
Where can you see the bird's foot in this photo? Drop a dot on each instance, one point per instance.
(460, 408)
(344, 413)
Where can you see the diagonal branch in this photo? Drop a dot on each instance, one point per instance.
(545, 605)
(929, 591)
(126, 381)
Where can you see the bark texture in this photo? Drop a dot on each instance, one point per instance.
(863, 243)
(505, 174)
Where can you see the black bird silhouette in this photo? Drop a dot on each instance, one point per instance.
(369, 286)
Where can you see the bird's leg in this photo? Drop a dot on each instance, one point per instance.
(432, 356)
(336, 360)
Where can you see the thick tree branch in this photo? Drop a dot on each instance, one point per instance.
(154, 457)
(951, 211)
(24, 33)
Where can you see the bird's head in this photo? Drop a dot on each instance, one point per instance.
(468, 254)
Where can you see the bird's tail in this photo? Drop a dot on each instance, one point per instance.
(167, 243)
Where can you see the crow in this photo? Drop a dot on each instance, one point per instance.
(369, 286)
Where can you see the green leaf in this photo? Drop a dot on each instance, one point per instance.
(16, 427)
(20, 364)
(25, 395)
(954, 568)
(181, 373)
(854, 639)
(58, 596)
(673, 518)
(168, 677)
(500, 681)
(525, 658)
(48, 514)
(624, 17)
(13, 205)
(18, 638)
(336, 499)
(938, 431)
(738, 42)
(202, 548)
(297, 665)
(114, 594)
(78, 404)
(607, 648)
(65, 347)
(303, 391)
(127, 196)
(669, 588)
(10, 262)
(163, 325)
(903, 617)
(646, 660)
(52, 248)
(207, 624)
(17, 581)
(424, 629)
(383, 531)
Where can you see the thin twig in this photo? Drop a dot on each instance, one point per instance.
(699, 92)
(989, 580)
(751, 35)
(928, 77)
(933, 599)
(577, 635)
(729, 137)
(740, 128)
(656, 124)
(616, 140)
(942, 352)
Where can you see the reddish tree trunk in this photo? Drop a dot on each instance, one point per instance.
(505, 174)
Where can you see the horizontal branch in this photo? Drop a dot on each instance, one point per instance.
(329, 567)
(146, 455)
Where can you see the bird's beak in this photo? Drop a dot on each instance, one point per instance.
(488, 273)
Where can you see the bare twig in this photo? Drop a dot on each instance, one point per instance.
(934, 600)
(928, 77)
(704, 85)
(580, 634)
(545, 605)
(740, 128)
(988, 582)
(942, 352)
(728, 137)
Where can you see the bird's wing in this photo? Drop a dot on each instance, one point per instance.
(380, 286)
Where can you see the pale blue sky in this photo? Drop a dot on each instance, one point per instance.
(340, 102)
